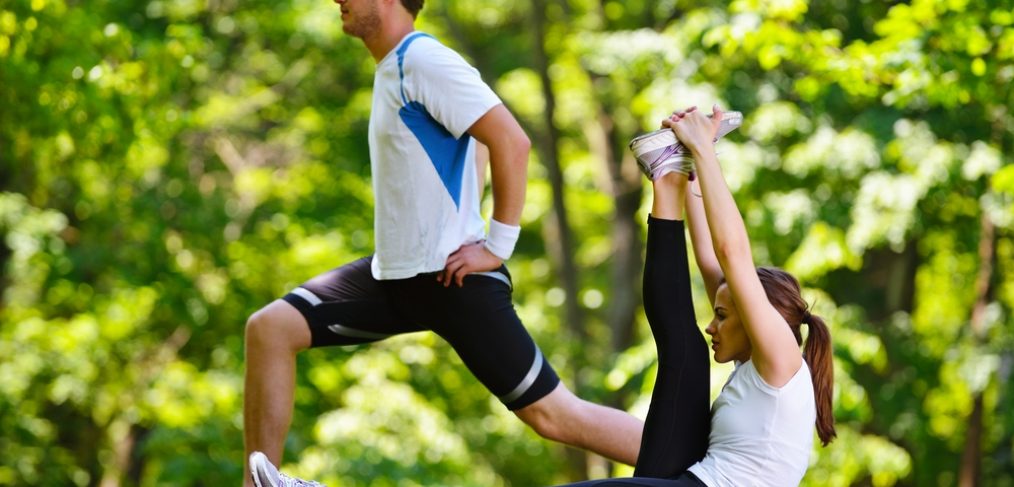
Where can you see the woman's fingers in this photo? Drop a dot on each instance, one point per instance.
(716, 119)
(690, 124)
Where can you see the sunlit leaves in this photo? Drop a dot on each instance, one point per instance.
(29, 234)
(883, 210)
(638, 53)
(788, 10)
(775, 120)
(183, 396)
(984, 159)
(823, 250)
(1001, 203)
(522, 88)
(169, 167)
(370, 431)
(948, 273)
(850, 153)
(854, 456)
(318, 20)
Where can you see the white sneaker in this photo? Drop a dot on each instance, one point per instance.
(266, 475)
(659, 152)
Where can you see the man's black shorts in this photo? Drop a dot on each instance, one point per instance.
(347, 306)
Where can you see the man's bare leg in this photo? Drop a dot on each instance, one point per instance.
(274, 335)
(561, 416)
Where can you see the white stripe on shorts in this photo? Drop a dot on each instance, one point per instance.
(307, 296)
(496, 275)
(527, 382)
(354, 333)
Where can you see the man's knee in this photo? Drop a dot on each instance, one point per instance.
(278, 325)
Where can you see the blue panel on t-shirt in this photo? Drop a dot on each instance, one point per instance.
(446, 153)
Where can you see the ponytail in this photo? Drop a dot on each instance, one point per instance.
(783, 293)
(817, 353)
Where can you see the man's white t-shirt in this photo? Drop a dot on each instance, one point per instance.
(425, 98)
(760, 435)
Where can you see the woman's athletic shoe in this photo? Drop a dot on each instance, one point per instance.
(266, 475)
(659, 152)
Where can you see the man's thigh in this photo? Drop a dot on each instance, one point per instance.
(347, 306)
(479, 321)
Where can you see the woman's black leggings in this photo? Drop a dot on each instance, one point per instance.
(679, 417)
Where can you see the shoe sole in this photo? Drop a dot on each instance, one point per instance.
(257, 466)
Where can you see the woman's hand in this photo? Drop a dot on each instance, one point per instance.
(694, 129)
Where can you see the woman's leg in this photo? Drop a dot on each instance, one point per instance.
(678, 422)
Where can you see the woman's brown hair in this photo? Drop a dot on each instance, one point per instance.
(783, 292)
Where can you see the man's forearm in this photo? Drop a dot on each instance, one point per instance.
(510, 181)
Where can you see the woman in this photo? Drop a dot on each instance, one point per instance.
(760, 431)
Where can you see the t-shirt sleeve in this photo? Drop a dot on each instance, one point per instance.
(763, 386)
(451, 90)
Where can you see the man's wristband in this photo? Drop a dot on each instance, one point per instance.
(502, 238)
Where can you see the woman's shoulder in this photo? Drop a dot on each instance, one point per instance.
(749, 372)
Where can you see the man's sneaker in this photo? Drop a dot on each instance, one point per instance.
(659, 152)
(266, 475)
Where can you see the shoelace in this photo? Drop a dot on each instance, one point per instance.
(298, 482)
(655, 167)
(672, 149)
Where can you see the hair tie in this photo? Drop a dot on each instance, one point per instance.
(806, 317)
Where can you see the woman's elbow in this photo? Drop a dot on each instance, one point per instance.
(732, 250)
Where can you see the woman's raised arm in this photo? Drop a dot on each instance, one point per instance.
(704, 250)
(774, 350)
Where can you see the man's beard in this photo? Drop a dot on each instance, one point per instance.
(364, 24)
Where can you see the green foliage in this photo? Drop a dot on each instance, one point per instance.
(169, 166)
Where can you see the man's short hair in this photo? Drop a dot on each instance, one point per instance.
(413, 6)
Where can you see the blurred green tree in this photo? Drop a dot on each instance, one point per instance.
(169, 166)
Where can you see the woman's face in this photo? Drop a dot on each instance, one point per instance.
(728, 338)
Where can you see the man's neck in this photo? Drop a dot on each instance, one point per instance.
(386, 38)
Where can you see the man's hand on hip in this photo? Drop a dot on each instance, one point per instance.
(469, 258)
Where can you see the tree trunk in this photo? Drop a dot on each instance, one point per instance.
(969, 473)
(625, 270)
(561, 246)
(626, 188)
(560, 241)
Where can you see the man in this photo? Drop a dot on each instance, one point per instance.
(429, 108)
